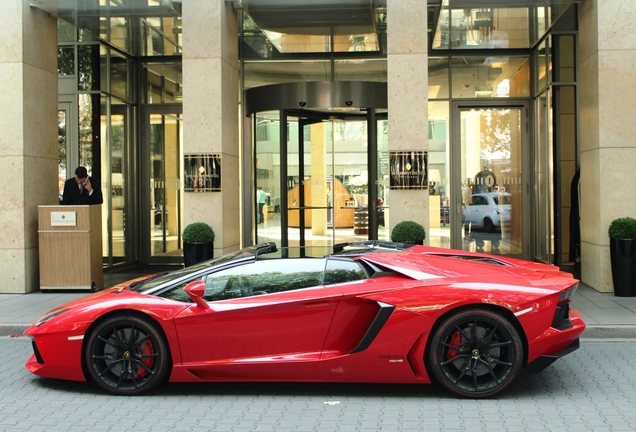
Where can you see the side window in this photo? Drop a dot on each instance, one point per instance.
(226, 284)
(272, 276)
(263, 277)
(479, 200)
(340, 271)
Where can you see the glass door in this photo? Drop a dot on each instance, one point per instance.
(163, 221)
(312, 179)
(491, 154)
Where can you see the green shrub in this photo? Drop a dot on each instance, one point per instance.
(198, 232)
(623, 228)
(408, 232)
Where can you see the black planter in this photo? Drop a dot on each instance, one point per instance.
(623, 258)
(194, 253)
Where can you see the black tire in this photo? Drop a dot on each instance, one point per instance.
(474, 353)
(127, 355)
(489, 226)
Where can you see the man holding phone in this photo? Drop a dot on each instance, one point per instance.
(80, 190)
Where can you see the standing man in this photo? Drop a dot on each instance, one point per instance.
(261, 199)
(80, 190)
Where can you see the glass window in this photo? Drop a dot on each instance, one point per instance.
(340, 271)
(119, 79)
(372, 70)
(482, 27)
(439, 173)
(61, 152)
(86, 104)
(542, 66)
(438, 85)
(88, 67)
(66, 60)
(66, 32)
(163, 83)
(492, 76)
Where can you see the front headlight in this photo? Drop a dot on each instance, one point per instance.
(50, 316)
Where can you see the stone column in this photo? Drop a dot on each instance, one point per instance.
(210, 112)
(407, 59)
(28, 142)
(607, 88)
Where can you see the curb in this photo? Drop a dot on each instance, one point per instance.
(625, 331)
(13, 330)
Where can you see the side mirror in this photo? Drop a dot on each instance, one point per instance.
(195, 290)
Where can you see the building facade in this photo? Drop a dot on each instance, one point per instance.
(313, 125)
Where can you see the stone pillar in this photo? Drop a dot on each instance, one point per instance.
(407, 59)
(607, 88)
(210, 112)
(28, 142)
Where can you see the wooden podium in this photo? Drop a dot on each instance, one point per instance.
(70, 247)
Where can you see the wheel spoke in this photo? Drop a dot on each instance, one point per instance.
(113, 344)
(499, 344)
(143, 365)
(454, 359)
(461, 330)
(490, 369)
(110, 366)
(492, 333)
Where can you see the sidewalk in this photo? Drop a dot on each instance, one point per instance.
(606, 315)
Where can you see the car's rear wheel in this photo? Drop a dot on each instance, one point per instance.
(475, 353)
(127, 355)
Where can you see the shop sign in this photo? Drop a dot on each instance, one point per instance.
(408, 170)
(202, 173)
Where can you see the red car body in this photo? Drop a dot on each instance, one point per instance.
(409, 322)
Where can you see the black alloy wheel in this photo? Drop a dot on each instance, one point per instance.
(475, 353)
(127, 355)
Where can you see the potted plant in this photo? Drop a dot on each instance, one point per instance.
(622, 233)
(408, 232)
(198, 243)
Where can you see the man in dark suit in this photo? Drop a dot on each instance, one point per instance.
(80, 190)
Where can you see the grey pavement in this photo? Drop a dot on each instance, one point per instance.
(592, 389)
(606, 315)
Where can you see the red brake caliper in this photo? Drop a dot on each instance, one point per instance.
(456, 341)
(148, 349)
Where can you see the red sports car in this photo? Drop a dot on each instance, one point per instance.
(370, 312)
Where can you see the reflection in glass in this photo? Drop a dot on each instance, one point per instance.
(166, 195)
(491, 140)
(438, 84)
(488, 77)
(61, 151)
(66, 60)
(438, 174)
(482, 27)
(163, 83)
(86, 102)
(326, 181)
(88, 58)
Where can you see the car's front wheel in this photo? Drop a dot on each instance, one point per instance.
(127, 355)
(475, 353)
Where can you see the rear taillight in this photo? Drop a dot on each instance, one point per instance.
(567, 294)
